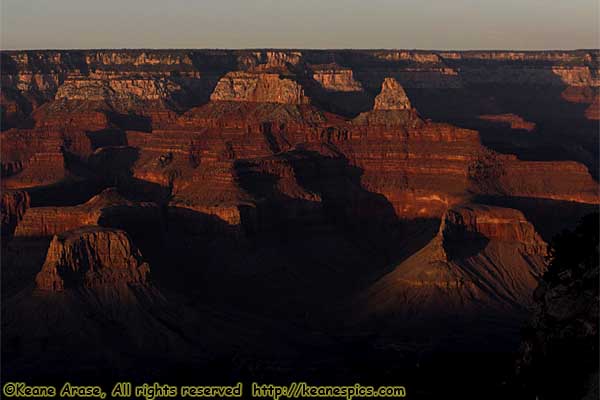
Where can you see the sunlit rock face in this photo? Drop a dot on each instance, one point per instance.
(115, 90)
(259, 88)
(392, 96)
(332, 77)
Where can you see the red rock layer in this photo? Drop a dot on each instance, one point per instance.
(40, 156)
(515, 121)
(33, 157)
(261, 87)
(332, 77)
(493, 223)
(14, 204)
(560, 180)
(420, 167)
(49, 221)
(91, 258)
(84, 115)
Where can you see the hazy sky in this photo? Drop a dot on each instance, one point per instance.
(425, 24)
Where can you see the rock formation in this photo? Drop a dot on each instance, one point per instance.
(493, 223)
(335, 78)
(31, 158)
(392, 96)
(515, 121)
(261, 87)
(107, 207)
(91, 258)
(14, 205)
(483, 260)
(128, 91)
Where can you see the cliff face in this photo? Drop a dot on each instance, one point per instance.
(560, 180)
(34, 77)
(492, 223)
(107, 208)
(116, 90)
(91, 258)
(24, 150)
(261, 88)
(334, 78)
(14, 205)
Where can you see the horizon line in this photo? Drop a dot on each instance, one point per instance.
(301, 48)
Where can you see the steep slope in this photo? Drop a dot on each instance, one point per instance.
(94, 297)
(483, 260)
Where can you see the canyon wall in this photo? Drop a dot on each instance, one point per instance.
(389, 191)
(180, 113)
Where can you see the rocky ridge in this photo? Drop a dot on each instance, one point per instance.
(483, 260)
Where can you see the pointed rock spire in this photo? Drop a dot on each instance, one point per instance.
(392, 96)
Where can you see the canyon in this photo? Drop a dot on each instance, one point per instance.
(276, 207)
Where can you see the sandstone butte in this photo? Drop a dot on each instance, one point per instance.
(258, 88)
(404, 177)
(91, 257)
